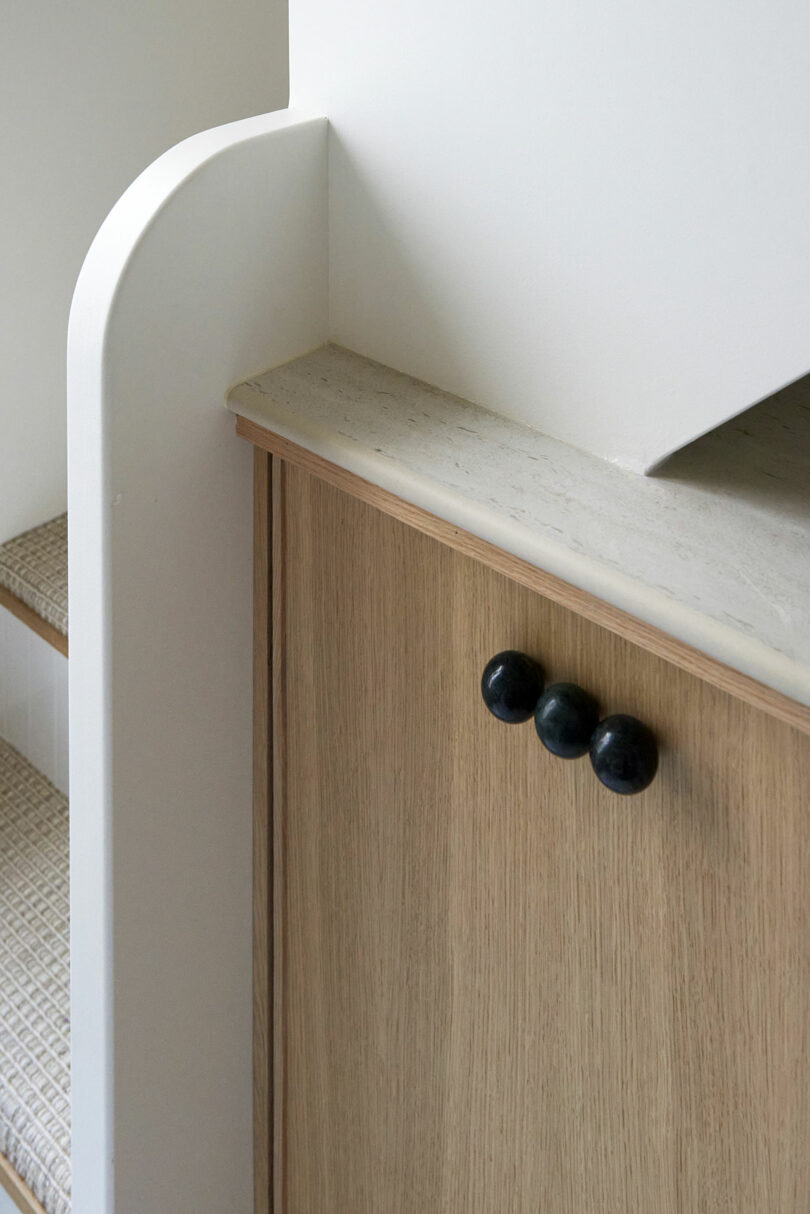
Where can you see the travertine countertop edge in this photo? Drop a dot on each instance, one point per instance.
(716, 552)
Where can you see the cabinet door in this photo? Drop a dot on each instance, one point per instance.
(500, 987)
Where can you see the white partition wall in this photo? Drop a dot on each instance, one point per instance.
(590, 217)
(213, 262)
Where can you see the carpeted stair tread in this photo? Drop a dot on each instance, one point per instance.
(34, 981)
(33, 567)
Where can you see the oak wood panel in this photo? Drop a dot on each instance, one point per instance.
(645, 635)
(262, 840)
(503, 987)
(18, 1190)
(33, 621)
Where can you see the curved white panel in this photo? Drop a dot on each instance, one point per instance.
(589, 217)
(211, 265)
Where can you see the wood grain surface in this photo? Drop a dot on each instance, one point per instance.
(645, 635)
(500, 988)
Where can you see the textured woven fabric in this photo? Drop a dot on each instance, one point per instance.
(34, 567)
(34, 981)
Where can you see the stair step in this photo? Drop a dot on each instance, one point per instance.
(34, 984)
(33, 579)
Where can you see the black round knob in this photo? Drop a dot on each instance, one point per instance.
(565, 718)
(624, 754)
(511, 686)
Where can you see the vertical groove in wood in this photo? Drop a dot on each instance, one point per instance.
(35, 622)
(262, 840)
(278, 802)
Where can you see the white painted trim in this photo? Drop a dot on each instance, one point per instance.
(211, 266)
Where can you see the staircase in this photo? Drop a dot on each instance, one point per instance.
(35, 1174)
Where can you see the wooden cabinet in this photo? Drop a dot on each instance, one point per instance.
(484, 983)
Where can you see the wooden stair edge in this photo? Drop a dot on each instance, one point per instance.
(35, 622)
(17, 1189)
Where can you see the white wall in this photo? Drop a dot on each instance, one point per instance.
(589, 216)
(91, 91)
(7, 1206)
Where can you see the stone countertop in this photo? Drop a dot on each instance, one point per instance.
(714, 549)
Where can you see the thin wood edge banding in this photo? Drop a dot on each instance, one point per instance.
(262, 840)
(35, 622)
(18, 1190)
(277, 597)
(647, 636)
